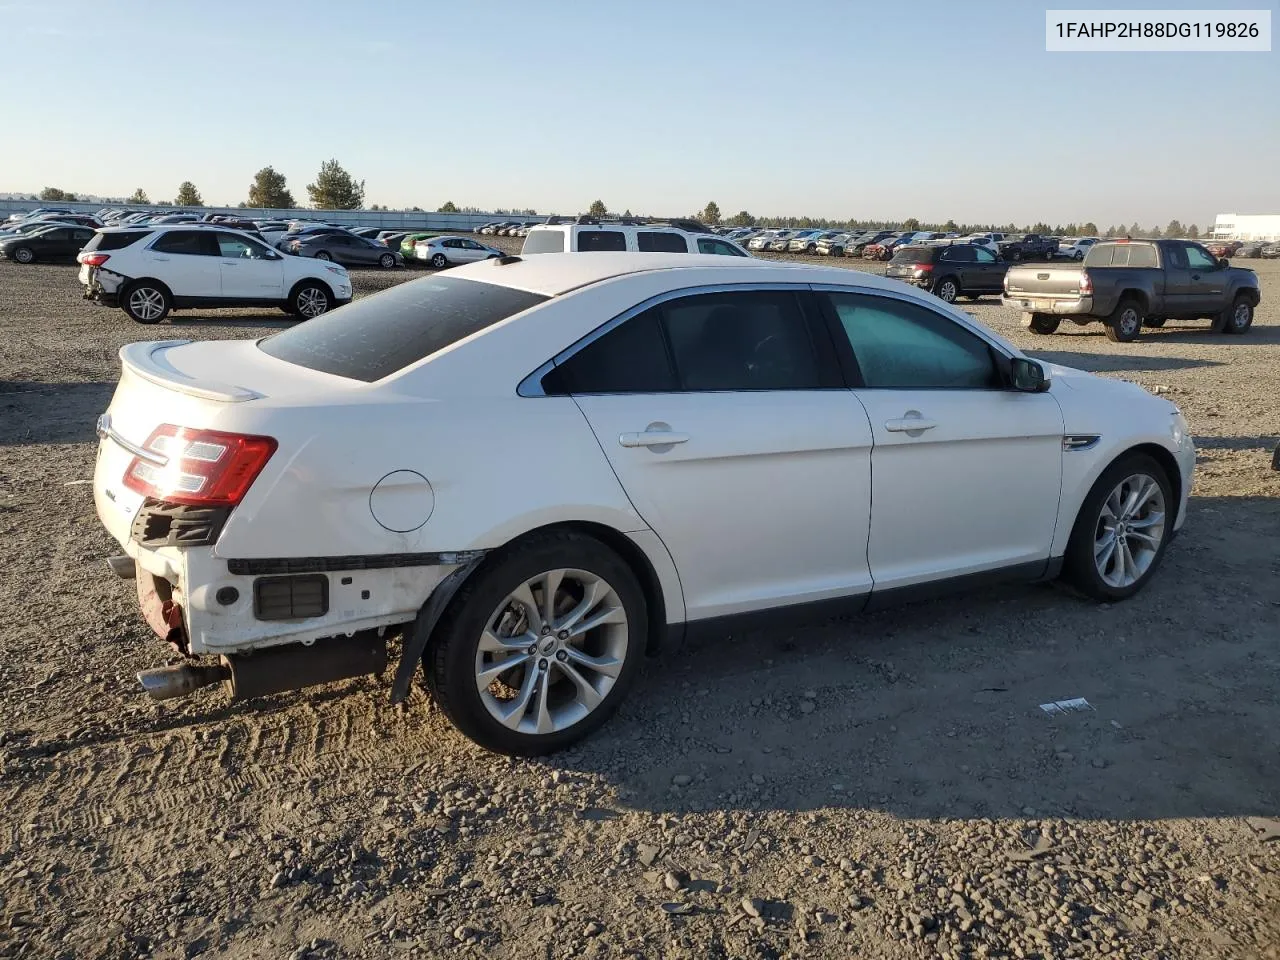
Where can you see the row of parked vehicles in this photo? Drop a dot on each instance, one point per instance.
(883, 244)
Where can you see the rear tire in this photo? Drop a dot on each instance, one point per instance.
(24, 255)
(146, 301)
(488, 606)
(947, 289)
(1105, 540)
(1043, 323)
(322, 255)
(439, 261)
(1238, 317)
(1124, 325)
(387, 261)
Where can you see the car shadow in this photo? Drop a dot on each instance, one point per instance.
(1106, 362)
(934, 710)
(1237, 443)
(1199, 334)
(61, 412)
(191, 322)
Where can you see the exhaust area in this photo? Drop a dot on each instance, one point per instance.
(179, 680)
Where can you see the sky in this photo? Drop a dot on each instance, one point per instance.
(845, 109)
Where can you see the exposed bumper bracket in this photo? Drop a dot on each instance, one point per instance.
(123, 567)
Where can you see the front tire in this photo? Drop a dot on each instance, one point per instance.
(146, 302)
(1121, 532)
(540, 646)
(1124, 325)
(310, 300)
(439, 261)
(24, 255)
(1043, 324)
(322, 255)
(1238, 317)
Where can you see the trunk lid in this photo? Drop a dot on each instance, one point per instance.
(199, 385)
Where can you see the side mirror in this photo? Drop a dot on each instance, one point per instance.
(1224, 262)
(1029, 376)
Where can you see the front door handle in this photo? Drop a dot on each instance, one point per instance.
(652, 437)
(161, 259)
(910, 424)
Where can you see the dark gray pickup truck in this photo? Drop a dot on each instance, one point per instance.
(1128, 284)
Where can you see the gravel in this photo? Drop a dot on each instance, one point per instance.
(329, 824)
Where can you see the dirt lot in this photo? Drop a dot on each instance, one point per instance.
(878, 788)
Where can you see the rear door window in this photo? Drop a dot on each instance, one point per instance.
(707, 245)
(660, 241)
(380, 334)
(113, 241)
(198, 243)
(592, 240)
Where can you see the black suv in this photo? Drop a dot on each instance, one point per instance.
(949, 270)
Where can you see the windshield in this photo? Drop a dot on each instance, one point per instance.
(388, 331)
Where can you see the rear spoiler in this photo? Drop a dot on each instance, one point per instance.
(146, 360)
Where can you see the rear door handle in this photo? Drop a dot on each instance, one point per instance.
(161, 259)
(652, 438)
(909, 425)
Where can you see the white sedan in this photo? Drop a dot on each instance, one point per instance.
(539, 470)
(443, 252)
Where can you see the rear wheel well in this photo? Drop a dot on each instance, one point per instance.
(1138, 295)
(634, 558)
(151, 280)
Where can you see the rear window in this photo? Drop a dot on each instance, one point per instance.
(378, 335)
(658, 241)
(611, 240)
(1121, 255)
(114, 241)
(913, 255)
(543, 241)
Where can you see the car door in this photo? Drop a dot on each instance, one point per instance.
(469, 251)
(362, 251)
(52, 244)
(957, 261)
(1207, 281)
(187, 262)
(987, 270)
(966, 474)
(725, 418)
(249, 270)
(1178, 293)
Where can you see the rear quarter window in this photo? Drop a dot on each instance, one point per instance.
(660, 241)
(378, 335)
(611, 240)
(114, 241)
(543, 241)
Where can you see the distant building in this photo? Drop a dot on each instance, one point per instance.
(1247, 226)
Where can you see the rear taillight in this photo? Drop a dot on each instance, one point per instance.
(1086, 285)
(198, 467)
(94, 259)
(924, 268)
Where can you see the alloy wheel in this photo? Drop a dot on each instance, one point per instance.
(552, 651)
(947, 291)
(312, 302)
(1130, 530)
(1129, 321)
(1240, 316)
(23, 255)
(146, 303)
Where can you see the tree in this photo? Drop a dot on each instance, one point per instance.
(1193, 232)
(1155, 233)
(53, 193)
(597, 209)
(188, 195)
(139, 196)
(448, 207)
(950, 227)
(1134, 230)
(911, 223)
(335, 189)
(1174, 229)
(742, 219)
(269, 189)
(711, 213)
(1090, 229)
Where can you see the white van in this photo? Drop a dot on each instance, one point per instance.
(581, 234)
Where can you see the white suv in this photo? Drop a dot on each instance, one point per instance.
(149, 271)
(583, 234)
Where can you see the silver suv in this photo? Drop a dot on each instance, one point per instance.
(579, 234)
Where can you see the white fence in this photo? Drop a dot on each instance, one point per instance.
(384, 219)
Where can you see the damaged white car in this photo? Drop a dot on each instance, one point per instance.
(539, 470)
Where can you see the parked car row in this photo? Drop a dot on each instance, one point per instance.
(507, 228)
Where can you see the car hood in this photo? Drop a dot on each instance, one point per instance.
(1087, 399)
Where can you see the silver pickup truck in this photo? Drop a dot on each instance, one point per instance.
(1129, 284)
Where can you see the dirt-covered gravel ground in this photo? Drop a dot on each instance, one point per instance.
(880, 788)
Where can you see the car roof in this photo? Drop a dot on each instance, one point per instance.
(553, 274)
